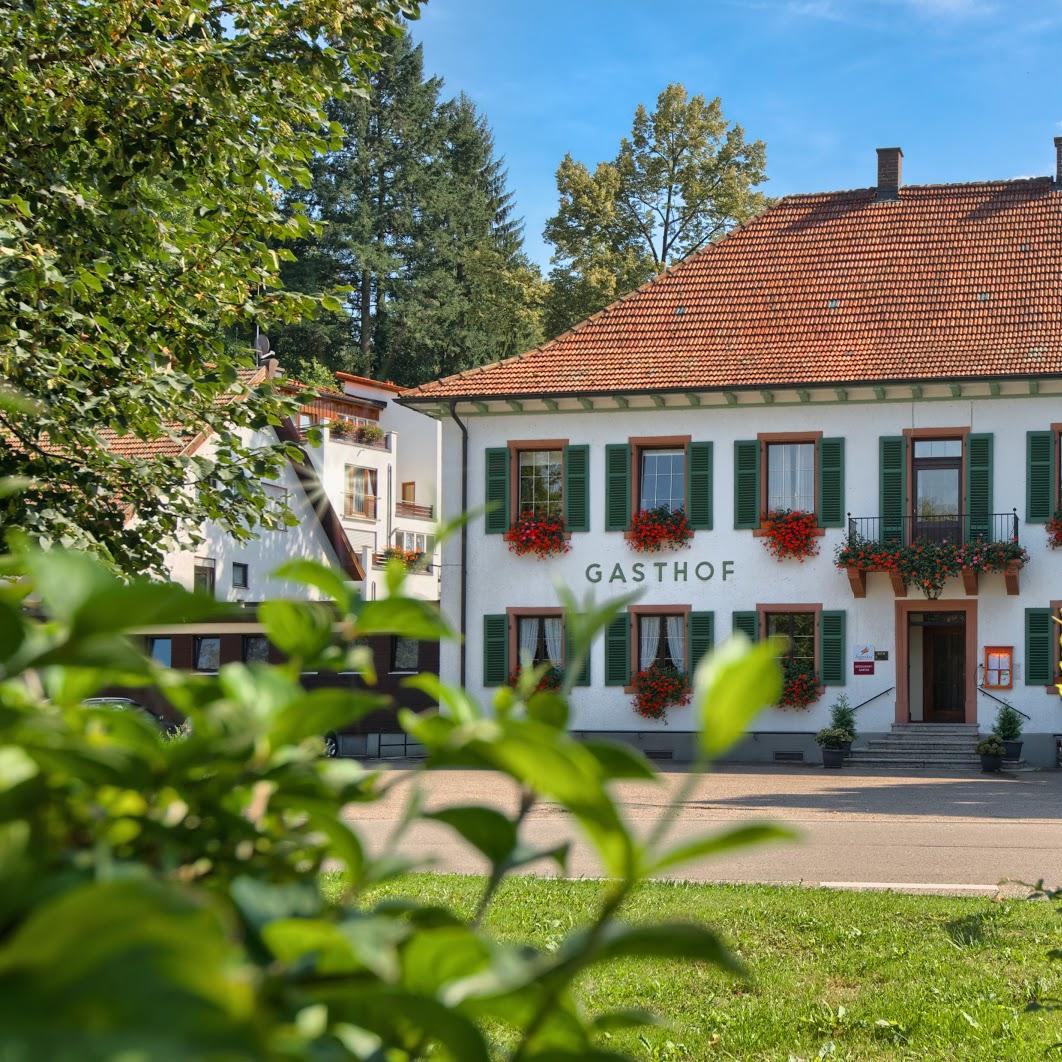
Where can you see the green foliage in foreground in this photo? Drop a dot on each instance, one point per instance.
(161, 898)
(834, 974)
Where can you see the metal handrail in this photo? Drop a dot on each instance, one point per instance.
(909, 528)
(874, 698)
(999, 700)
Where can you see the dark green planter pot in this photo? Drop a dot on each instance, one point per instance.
(833, 757)
(1013, 750)
(991, 763)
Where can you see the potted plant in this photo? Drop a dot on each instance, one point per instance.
(800, 687)
(842, 717)
(835, 743)
(1007, 728)
(1054, 531)
(991, 752)
(790, 533)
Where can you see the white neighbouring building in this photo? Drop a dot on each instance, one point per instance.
(889, 358)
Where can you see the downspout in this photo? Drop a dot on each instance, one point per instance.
(464, 537)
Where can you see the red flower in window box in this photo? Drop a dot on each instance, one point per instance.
(657, 688)
(544, 536)
(791, 533)
(550, 680)
(410, 558)
(800, 687)
(653, 530)
(1054, 531)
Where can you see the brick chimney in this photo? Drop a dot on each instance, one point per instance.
(890, 172)
(1058, 161)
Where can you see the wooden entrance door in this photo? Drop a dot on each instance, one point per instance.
(944, 673)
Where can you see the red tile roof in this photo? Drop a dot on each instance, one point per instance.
(946, 281)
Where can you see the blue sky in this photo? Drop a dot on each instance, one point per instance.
(970, 89)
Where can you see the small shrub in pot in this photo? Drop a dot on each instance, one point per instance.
(835, 743)
(1007, 728)
(991, 752)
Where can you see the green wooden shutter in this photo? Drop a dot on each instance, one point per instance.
(618, 651)
(832, 648)
(1039, 476)
(583, 678)
(892, 483)
(617, 487)
(748, 623)
(831, 482)
(979, 485)
(702, 636)
(496, 492)
(577, 488)
(747, 483)
(699, 485)
(495, 650)
(1040, 644)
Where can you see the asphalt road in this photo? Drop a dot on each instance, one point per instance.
(951, 833)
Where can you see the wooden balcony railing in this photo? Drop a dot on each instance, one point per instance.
(416, 512)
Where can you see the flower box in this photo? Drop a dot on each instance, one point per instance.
(790, 534)
(657, 688)
(541, 536)
(800, 687)
(653, 530)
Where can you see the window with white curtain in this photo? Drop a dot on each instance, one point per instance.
(540, 640)
(791, 476)
(662, 640)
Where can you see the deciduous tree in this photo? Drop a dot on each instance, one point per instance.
(141, 149)
(684, 177)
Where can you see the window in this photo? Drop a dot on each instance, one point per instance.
(936, 468)
(360, 497)
(541, 482)
(206, 653)
(415, 541)
(306, 421)
(799, 628)
(540, 640)
(791, 476)
(662, 479)
(203, 573)
(161, 651)
(239, 575)
(999, 667)
(254, 649)
(409, 492)
(405, 654)
(662, 640)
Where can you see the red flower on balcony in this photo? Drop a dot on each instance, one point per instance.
(791, 533)
(653, 530)
(657, 688)
(543, 536)
(1054, 531)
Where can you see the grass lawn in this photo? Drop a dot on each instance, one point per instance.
(838, 975)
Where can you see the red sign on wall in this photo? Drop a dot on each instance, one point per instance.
(863, 667)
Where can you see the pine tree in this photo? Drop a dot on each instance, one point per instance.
(419, 226)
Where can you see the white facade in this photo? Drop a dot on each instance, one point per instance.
(728, 570)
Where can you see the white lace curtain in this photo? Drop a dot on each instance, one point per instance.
(555, 640)
(676, 641)
(528, 639)
(648, 640)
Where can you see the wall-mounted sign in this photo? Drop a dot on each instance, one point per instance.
(881, 654)
(658, 572)
(862, 667)
(863, 652)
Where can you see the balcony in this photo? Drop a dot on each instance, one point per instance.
(928, 549)
(416, 563)
(414, 511)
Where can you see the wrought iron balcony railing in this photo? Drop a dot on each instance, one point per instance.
(958, 528)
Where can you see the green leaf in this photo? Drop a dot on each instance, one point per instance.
(143, 604)
(719, 844)
(66, 581)
(461, 706)
(487, 830)
(666, 940)
(12, 632)
(327, 580)
(618, 760)
(404, 616)
(322, 710)
(731, 686)
(16, 767)
(437, 957)
(548, 708)
(298, 628)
